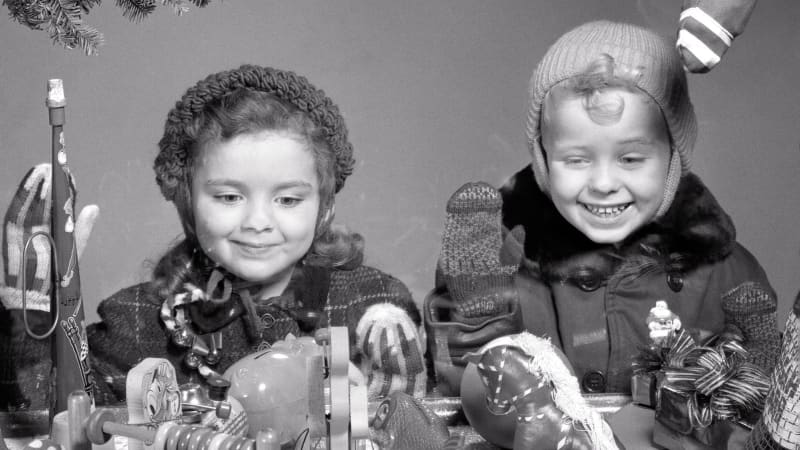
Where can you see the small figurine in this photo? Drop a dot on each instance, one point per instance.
(661, 322)
(526, 374)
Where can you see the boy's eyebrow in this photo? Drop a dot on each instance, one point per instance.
(637, 140)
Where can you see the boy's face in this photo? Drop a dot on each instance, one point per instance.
(607, 179)
(255, 201)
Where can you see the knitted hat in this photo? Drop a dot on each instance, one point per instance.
(175, 145)
(662, 78)
(469, 263)
(707, 28)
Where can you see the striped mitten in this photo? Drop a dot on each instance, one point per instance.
(28, 213)
(707, 28)
(469, 263)
(391, 351)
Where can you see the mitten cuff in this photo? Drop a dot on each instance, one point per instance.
(35, 300)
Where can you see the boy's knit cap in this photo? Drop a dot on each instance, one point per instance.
(661, 77)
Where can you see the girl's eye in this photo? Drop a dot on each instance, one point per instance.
(228, 198)
(289, 201)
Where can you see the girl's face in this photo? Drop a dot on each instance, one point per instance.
(607, 180)
(255, 201)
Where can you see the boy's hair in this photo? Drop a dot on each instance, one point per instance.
(590, 86)
(653, 66)
(245, 101)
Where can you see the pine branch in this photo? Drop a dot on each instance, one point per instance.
(66, 27)
(136, 10)
(201, 3)
(178, 6)
(86, 5)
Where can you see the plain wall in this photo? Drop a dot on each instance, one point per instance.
(433, 92)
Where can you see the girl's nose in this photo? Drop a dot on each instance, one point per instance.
(259, 218)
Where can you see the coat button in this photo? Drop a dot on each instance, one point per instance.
(594, 381)
(675, 281)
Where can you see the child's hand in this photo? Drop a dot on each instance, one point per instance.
(392, 351)
(29, 213)
(450, 339)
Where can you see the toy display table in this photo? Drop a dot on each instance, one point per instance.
(22, 426)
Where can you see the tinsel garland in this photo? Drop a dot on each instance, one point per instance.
(63, 19)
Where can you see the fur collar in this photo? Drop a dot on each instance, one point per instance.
(695, 230)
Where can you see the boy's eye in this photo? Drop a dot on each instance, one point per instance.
(575, 161)
(632, 159)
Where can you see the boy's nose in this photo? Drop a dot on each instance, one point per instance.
(259, 218)
(604, 180)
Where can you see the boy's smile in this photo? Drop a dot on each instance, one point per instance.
(607, 176)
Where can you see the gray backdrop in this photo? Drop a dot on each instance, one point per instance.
(433, 92)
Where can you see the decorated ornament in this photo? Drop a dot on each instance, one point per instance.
(526, 379)
(661, 322)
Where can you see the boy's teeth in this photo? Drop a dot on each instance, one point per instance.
(606, 211)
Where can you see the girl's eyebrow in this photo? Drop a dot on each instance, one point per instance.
(294, 184)
(223, 182)
(238, 184)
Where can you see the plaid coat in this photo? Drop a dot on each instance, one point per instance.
(131, 330)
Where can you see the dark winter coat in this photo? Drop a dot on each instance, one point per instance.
(593, 299)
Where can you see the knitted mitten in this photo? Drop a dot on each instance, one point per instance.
(752, 309)
(28, 213)
(24, 361)
(391, 352)
(707, 28)
(469, 264)
(779, 426)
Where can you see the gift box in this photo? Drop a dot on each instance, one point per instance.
(675, 429)
(644, 387)
(709, 395)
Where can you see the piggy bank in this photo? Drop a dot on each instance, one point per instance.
(281, 389)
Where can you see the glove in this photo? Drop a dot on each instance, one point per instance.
(753, 310)
(29, 213)
(483, 302)
(25, 362)
(391, 352)
(449, 340)
(707, 28)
